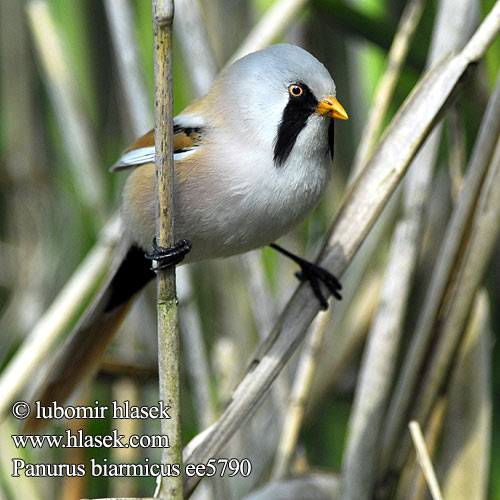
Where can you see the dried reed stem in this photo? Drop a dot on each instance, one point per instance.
(424, 460)
(168, 337)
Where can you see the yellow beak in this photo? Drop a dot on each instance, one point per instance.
(331, 108)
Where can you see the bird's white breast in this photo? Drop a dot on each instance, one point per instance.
(245, 201)
(229, 199)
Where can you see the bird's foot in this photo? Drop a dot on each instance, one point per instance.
(166, 257)
(314, 275)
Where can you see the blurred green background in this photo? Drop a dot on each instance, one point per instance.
(49, 220)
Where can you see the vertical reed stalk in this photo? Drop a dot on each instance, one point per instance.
(168, 339)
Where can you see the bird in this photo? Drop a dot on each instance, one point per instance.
(251, 159)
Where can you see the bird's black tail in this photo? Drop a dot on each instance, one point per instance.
(83, 351)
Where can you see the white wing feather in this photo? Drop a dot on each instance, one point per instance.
(140, 156)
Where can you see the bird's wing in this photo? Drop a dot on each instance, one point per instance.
(187, 138)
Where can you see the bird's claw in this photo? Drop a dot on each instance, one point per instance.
(168, 256)
(314, 275)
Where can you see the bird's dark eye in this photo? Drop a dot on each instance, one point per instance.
(295, 90)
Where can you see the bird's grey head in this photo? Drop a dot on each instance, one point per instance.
(274, 93)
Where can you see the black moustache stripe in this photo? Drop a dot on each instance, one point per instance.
(294, 119)
(331, 130)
